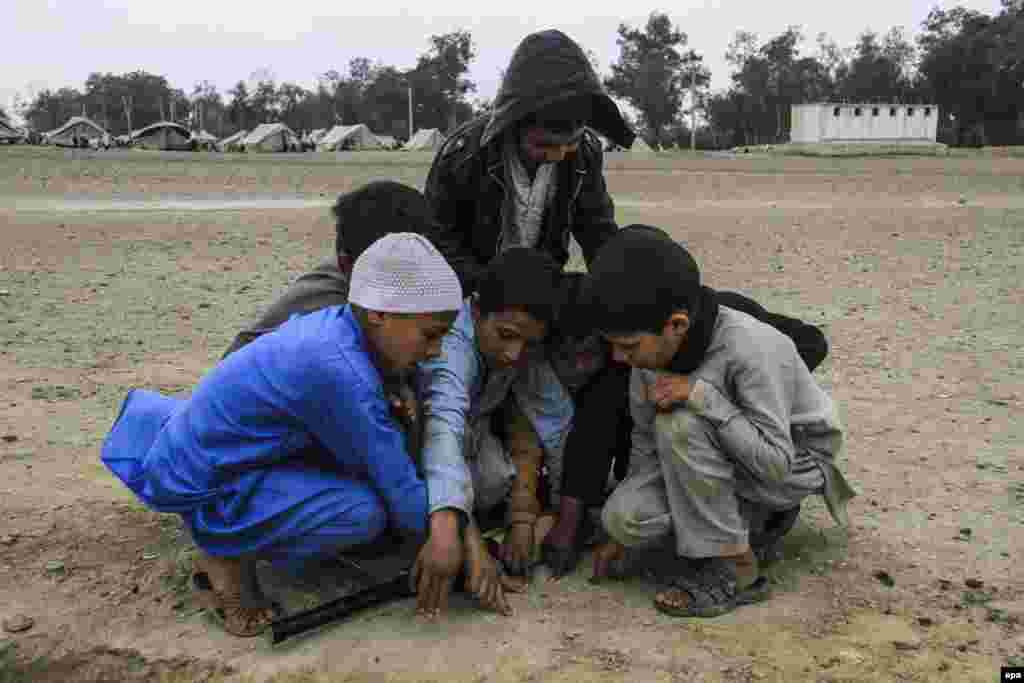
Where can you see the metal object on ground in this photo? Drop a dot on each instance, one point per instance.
(342, 608)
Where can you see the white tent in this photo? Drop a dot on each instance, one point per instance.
(349, 137)
(76, 128)
(315, 136)
(387, 141)
(204, 140)
(639, 146)
(165, 135)
(232, 143)
(426, 138)
(8, 133)
(271, 137)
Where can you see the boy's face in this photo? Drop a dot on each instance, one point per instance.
(543, 145)
(401, 340)
(650, 351)
(505, 338)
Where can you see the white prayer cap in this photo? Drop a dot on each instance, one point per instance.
(404, 273)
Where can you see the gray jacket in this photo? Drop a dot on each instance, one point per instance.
(757, 392)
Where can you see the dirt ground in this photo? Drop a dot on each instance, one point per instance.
(911, 266)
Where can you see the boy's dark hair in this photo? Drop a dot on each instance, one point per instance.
(379, 208)
(562, 116)
(522, 279)
(640, 277)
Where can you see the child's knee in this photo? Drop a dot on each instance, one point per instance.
(626, 520)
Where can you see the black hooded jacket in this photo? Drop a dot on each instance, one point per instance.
(466, 186)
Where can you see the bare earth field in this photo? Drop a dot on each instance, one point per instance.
(913, 266)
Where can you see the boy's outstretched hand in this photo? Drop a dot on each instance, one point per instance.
(483, 578)
(518, 549)
(607, 558)
(437, 564)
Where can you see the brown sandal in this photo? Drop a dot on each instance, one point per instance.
(218, 584)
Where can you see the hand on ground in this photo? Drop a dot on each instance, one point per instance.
(483, 577)
(559, 550)
(517, 551)
(437, 564)
(605, 556)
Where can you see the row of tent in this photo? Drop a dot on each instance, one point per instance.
(267, 137)
(276, 137)
(80, 131)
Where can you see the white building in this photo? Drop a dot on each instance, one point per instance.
(864, 123)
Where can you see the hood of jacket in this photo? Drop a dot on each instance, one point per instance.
(546, 68)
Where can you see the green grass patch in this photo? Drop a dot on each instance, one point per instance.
(807, 549)
(46, 169)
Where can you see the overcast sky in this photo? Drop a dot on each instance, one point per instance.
(56, 43)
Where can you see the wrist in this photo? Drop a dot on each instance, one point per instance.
(447, 521)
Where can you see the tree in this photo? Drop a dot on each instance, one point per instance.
(122, 102)
(209, 112)
(972, 65)
(652, 73)
(263, 104)
(874, 74)
(386, 101)
(238, 107)
(439, 81)
(291, 99)
(830, 56)
(51, 109)
(769, 79)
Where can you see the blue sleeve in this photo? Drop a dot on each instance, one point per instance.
(445, 385)
(354, 422)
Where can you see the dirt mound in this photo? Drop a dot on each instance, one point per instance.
(40, 661)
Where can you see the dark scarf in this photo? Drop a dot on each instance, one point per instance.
(694, 347)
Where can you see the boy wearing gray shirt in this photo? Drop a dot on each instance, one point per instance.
(729, 425)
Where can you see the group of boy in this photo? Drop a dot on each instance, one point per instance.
(440, 378)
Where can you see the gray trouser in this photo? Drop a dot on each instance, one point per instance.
(692, 489)
(492, 469)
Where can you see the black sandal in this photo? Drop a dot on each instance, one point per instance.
(767, 533)
(710, 588)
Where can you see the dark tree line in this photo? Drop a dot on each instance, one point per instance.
(969, 63)
(366, 92)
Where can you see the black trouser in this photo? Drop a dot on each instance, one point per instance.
(601, 432)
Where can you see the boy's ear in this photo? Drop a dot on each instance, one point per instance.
(678, 323)
(376, 318)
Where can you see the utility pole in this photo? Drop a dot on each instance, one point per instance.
(127, 102)
(410, 111)
(693, 111)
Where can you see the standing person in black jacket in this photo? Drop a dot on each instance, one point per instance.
(530, 174)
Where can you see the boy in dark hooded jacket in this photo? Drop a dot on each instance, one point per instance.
(530, 173)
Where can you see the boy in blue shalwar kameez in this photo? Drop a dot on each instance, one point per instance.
(287, 450)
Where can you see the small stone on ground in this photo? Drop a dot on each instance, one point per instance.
(19, 623)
